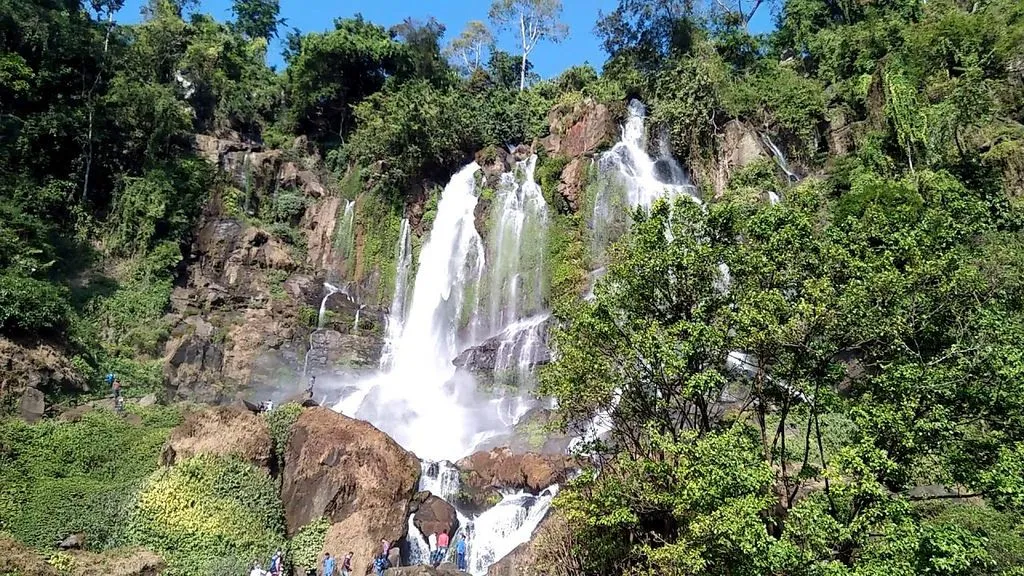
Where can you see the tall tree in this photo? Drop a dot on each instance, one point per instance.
(469, 47)
(257, 18)
(537, 20)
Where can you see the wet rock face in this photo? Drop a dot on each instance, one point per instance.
(532, 434)
(739, 146)
(485, 474)
(432, 515)
(515, 350)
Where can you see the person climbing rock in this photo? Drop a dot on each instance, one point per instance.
(346, 565)
(380, 564)
(460, 554)
(385, 547)
(328, 565)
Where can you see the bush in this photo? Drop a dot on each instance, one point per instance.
(57, 477)
(304, 549)
(28, 305)
(280, 421)
(208, 515)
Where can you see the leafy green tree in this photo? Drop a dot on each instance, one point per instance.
(333, 71)
(257, 18)
(536, 20)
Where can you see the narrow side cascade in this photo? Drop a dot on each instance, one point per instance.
(344, 242)
(630, 177)
(396, 313)
(513, 284)
(780, 158)
(440, 479)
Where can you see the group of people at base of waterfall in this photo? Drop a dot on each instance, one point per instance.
(438, 551)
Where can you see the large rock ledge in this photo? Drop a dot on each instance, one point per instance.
(485, 474)
(354, 475)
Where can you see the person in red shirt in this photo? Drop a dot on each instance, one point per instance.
(442, 545)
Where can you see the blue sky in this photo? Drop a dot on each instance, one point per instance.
(548, 59)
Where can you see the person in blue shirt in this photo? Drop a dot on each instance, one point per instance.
(460, 554)
(328, 565)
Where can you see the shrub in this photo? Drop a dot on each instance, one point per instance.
(208, 515)
(28, 305)
(304, 549)
(280, 421)
(57, 477)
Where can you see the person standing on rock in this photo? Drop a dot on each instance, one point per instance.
(346, 565)
(442, 545)
(432, 547)
(460, 554)
(328, 565)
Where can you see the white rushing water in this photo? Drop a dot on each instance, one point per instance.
(508, 524)
(780, 158)
(513, 282)
(396, 313)
(630, 177)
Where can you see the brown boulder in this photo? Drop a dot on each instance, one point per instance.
(222, 431)
(485, 474)
(581, 130)
(433, 515)
(341, 468)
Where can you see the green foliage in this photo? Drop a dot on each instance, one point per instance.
(57, 478)
(30, 305)
(304, 549)
(380, 225)
(206, 513)
(280, 421)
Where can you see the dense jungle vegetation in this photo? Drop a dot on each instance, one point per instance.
(877, 426)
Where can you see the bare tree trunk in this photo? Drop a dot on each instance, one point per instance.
(522, 67)
(92, 107)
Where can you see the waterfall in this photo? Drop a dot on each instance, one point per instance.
(415, 401)
(440, 479)
(780, 158)
(513, 282)
(396, 313)
(508, 524)
(521, 347)
(631, 178)
(322, 315)
(355, 323)
(419, 550)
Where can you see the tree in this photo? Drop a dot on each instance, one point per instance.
(536, 19)
(333, 71)
(257, 18)
(421, 54)
(468, 48)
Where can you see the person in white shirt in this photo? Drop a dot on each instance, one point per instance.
(256, 571)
